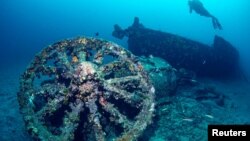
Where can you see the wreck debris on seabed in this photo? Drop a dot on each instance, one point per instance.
(184, 106)
(163, 76)
(220, 60)
(86, 89)
(92, 89)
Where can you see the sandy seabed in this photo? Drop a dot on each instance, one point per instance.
(12, 126)
(11, 123)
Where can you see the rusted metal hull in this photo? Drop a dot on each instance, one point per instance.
(219, 60)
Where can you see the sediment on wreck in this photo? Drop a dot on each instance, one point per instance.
(84, 89)
(219, 60)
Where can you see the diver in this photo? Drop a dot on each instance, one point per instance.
(198, 7)
(97, 34)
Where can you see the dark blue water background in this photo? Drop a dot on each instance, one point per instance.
(26, 26)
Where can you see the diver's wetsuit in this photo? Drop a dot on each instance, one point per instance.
(198, 7)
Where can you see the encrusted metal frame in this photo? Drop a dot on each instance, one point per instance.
(83, 82)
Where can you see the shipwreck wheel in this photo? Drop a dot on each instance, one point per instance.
(85, 89)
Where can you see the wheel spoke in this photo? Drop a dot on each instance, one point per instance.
(111, 67)
(123, 79)
(51, 90)
(71, 121)
(118, 117)
(122, 82)
(93, 119)
(119, 93)
(98, 58)
(81, 56)
(99, 133)
(133, 98)
(50, 107)
(45, 70)
(62, 60)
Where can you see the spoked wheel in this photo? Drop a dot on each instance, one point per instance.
(85, 89)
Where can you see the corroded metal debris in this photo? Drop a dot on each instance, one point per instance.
(163, 76)
(86, 89)
(221, 60)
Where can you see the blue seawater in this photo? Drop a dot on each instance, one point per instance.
(27, 26)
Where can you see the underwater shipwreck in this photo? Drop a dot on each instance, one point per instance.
(220, 60)
(87, 89)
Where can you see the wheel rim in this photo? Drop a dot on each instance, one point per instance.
(77, 86)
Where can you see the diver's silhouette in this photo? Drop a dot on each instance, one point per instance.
(198, 7)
